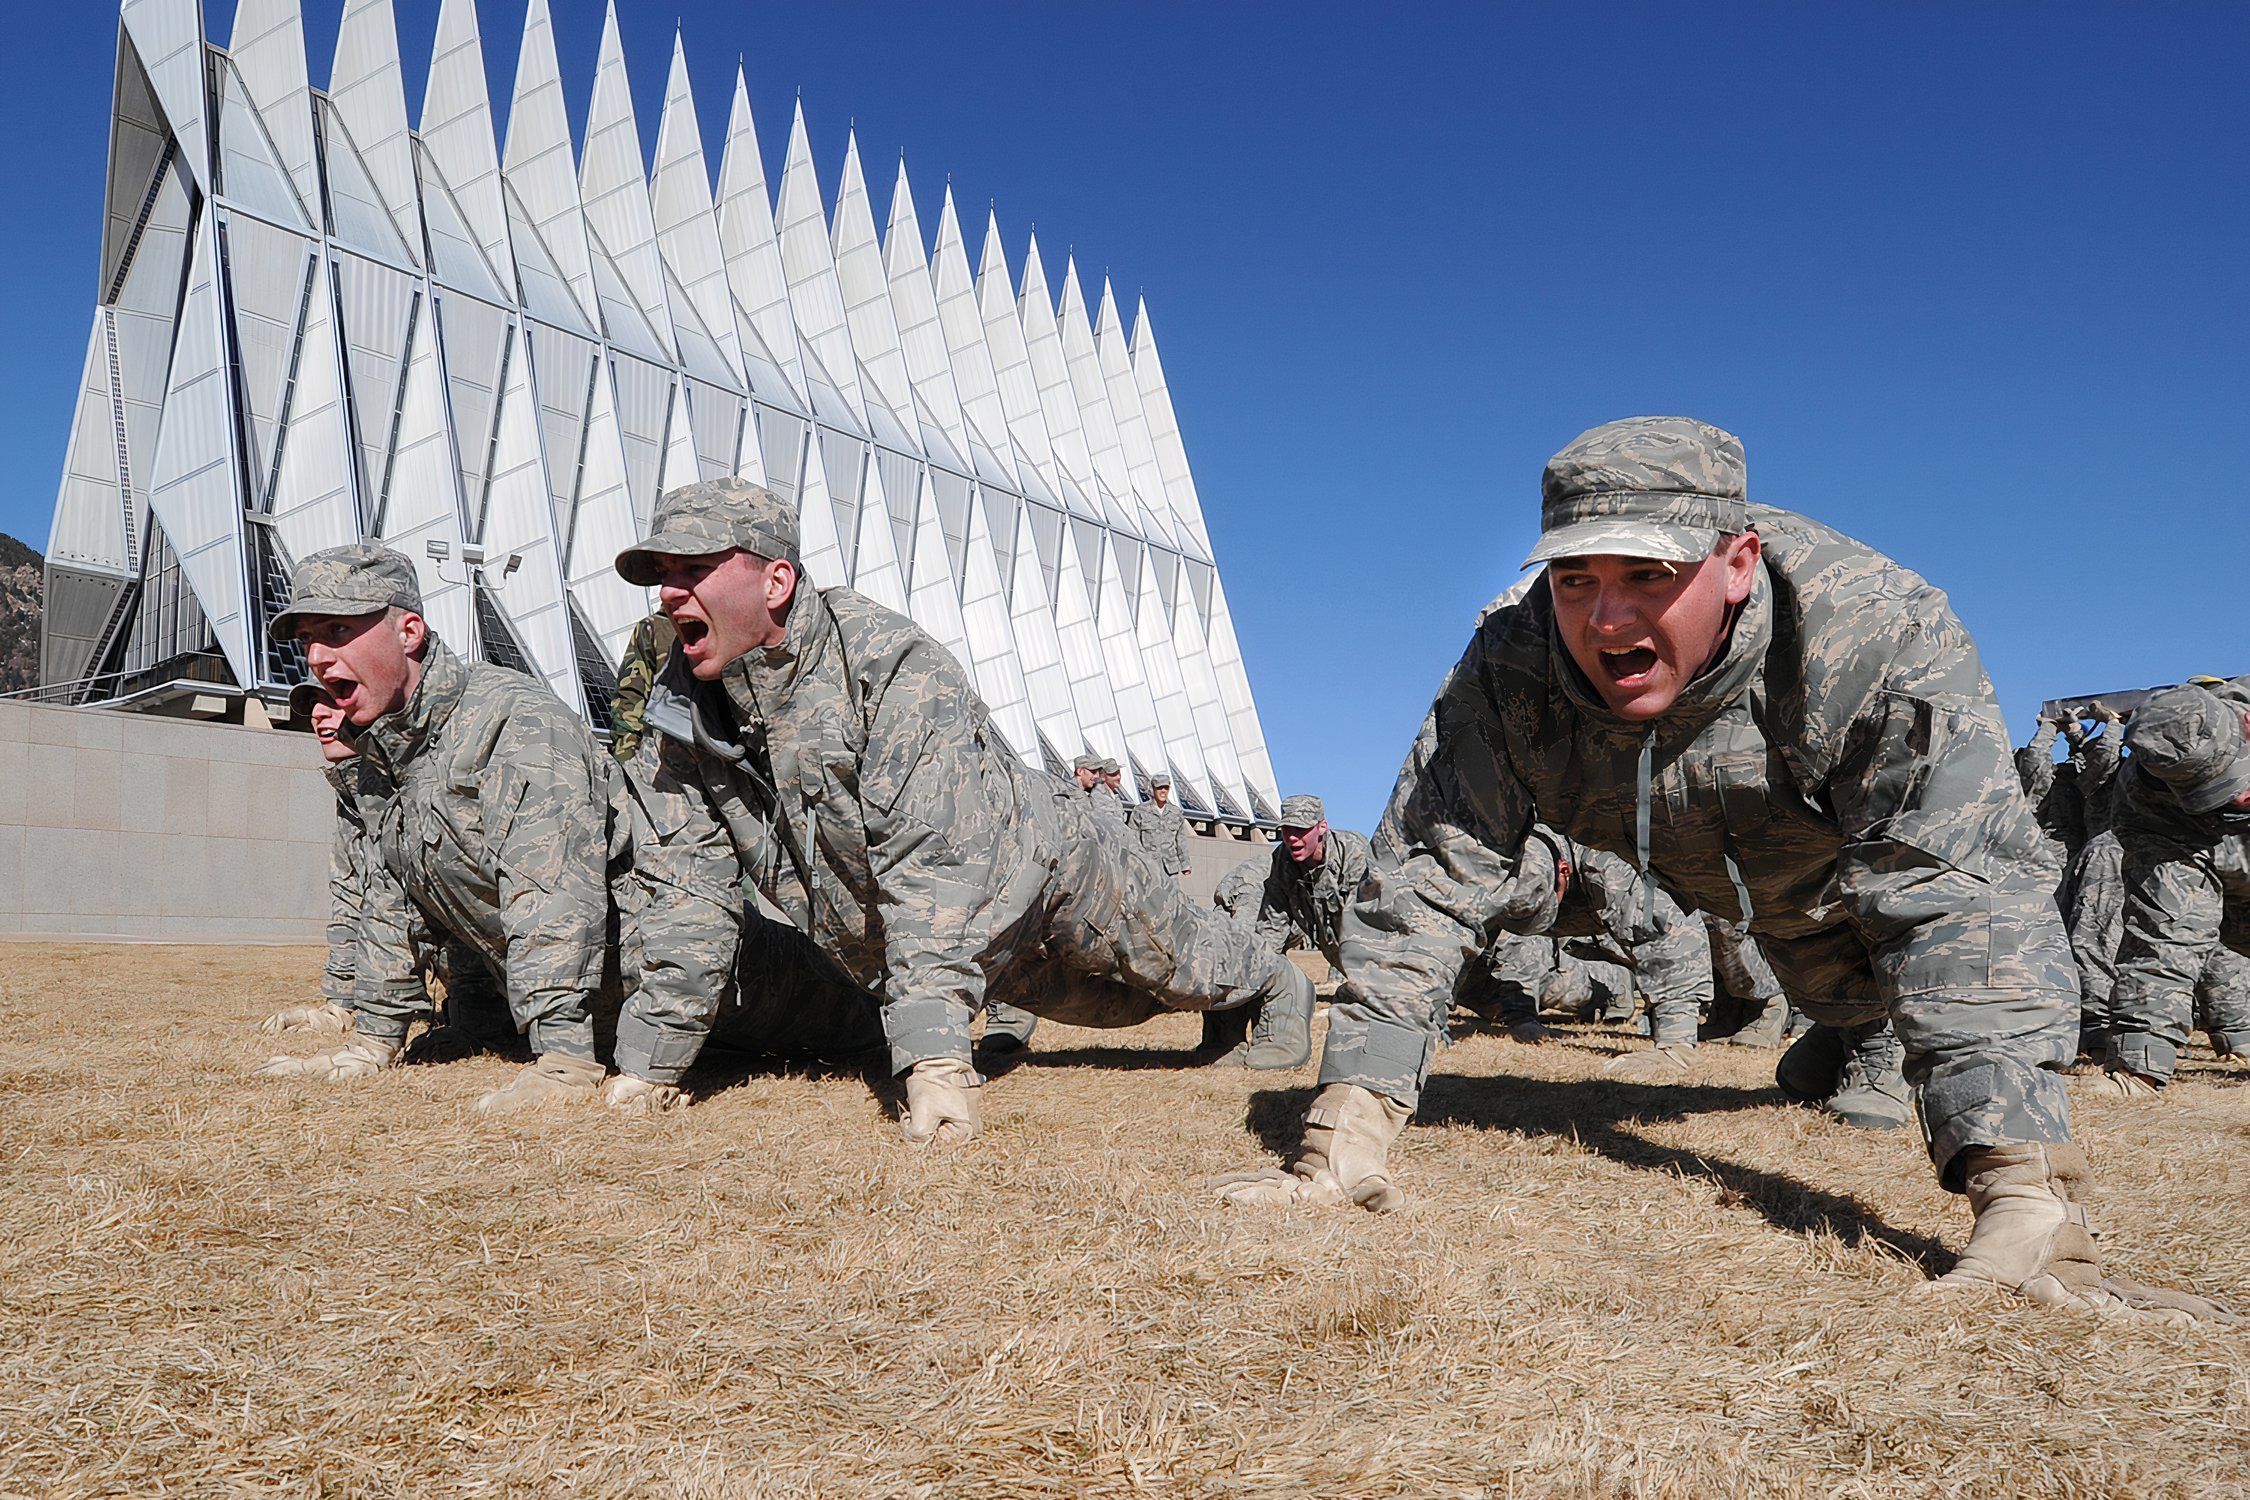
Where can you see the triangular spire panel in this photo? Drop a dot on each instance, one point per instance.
(367, 97)
(537, 160)
(886, 392)
(522, 569)
(644, 407)
(876, 570)
(755, 275)
(991, 635)
(1146, 480)
(1175, 711)
(687, 225)
(380, 308)
(820, 547)
(312, 501)
(167, 35)
(968, 360)
(90, 510)
(1058, 402)
(250, 171)
(1039, 651)
(824, 341)
(921, 335)
(456, 137)
(424, 505)
(614, 189)
(1112, 483)
(602, 526)
(268, 50)
(195, 491)
(1018, 382)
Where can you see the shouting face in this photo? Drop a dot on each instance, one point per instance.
(724, 604)
(328, 725)
(1641, 630)
(1307, 846)
(368, 665)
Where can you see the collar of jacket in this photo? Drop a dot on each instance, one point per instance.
(757, 682)
(1713, 688)
(397, 738)
(695, 714)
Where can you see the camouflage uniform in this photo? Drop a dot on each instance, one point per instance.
(1839, 778)
(646, 652)
(1107, 807)
(2186, 876)
(851, 775)
(498, 834)
(1748, 1006)
(1162, 830)
(2095, 915)
(1660, 950)
(1298, 906)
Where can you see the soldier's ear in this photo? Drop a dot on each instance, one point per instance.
(781, 584)
(413, 633)
(1741, 552)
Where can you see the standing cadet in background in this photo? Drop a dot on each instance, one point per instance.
(1162, 827)
(495, 829)
(1779, 723)
(2184, 829)
(829, 752)
(1094, 788)
(646, 651)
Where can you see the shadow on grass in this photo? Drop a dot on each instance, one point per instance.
(718, 1070)
(1602, 1115)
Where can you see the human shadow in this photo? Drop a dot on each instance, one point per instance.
(723, 1068)
(1598, 1114)
(1118, 1059)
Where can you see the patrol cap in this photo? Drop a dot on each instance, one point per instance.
(1665, 488)
(302, 697)
(357, 578)
(1108, 766)
(1157, 780)
(710, 516)
(1086, 763)
(2191, 740)
(1302, 811)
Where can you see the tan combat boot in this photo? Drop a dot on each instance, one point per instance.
(552, 1078)
(629, 1095)
(2121, 1083)
(363, 1058)
(2032, 1238)
(1653, 1065)
(1345, 1159)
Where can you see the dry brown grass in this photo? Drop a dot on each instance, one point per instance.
(215, 1285)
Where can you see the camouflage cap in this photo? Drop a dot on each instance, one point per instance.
(1086, 763)
(357, 578)
(1159, 779)
(1658, 487)
(1302, 811)
(712, 515)
(2193, 742)
(303, 696)
(1108, 766)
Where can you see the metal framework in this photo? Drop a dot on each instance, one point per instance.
(317, 323)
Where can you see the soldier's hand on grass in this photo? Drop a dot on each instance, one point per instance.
(629, 1095)
(941, 1102)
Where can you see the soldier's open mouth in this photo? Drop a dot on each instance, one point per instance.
(1624, 666)
(691, 630)
(339, 688)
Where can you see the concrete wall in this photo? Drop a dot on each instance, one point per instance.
(131, 827)
(128, 827)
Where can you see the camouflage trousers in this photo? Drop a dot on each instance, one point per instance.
(1110, 941)
(1519, 976)
(2095, 913)
(2147, 1034)
(785, 998)
(1986, 1063)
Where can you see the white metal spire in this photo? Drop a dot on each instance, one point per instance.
(628, 273)
(687, 227)
(541, 175)
(268, 50)
(367, 96)
(921, 336)
(883, 381)
(456, 137)
(766, 327)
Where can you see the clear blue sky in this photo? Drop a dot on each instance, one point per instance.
(1968, 280)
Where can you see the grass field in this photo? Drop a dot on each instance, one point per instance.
(214, 1285)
